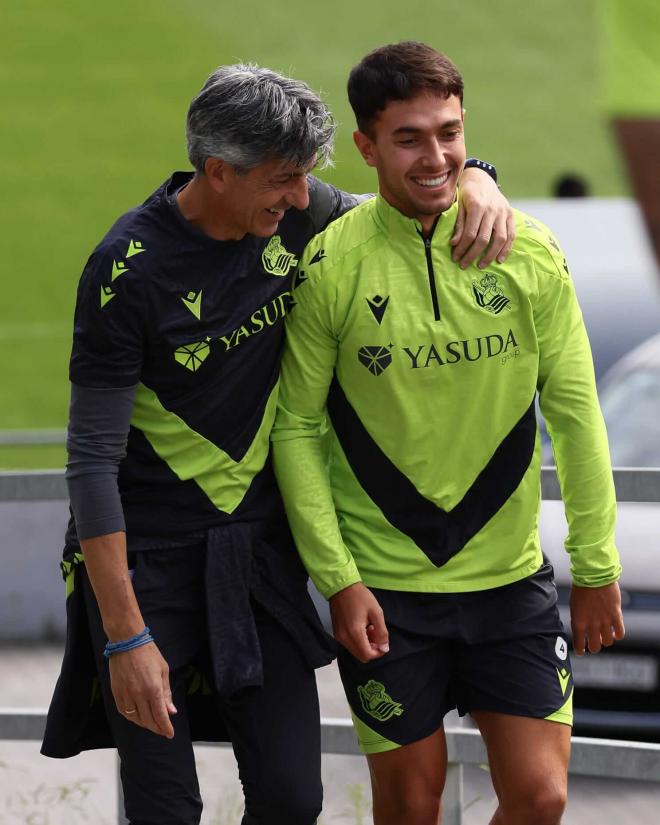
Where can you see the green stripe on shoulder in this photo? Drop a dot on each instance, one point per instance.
(192, 457)
(344, 241)
(535, 239)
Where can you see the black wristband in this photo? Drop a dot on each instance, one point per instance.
(475, 163)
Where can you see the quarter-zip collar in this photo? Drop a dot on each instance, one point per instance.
(399, 227)
(407, 232)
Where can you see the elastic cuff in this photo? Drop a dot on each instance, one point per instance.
(329, 590)
(100, 527)
(597, 579)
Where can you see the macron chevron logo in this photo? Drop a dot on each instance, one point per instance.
(118, 268)
(378, 305)
(193, 300)
(106, 295)
(134, 248)
(318, 257)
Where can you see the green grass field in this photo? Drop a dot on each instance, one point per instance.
(94, 101)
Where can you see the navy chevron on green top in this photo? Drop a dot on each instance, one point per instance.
(433, 480)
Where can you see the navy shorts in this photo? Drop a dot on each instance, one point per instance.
(502, 650)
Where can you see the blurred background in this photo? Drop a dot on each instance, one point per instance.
(563, 97)
(94, 98)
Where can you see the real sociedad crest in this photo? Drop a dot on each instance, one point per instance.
(489, 295)
(276, 259)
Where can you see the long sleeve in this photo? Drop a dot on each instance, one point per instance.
(299, 453)
(99, 421)
(569, 403)
(105, 368)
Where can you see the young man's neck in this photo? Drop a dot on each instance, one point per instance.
(427, 222)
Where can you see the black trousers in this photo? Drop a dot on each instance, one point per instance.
(274, 729)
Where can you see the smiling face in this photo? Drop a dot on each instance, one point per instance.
(255, 201)
(417, 147)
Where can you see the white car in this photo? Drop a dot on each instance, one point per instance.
(618, 690)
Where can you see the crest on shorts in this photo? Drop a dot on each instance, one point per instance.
(489, 295)
(377, 703)
(276, 259)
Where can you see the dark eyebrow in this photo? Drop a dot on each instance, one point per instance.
(449, 124)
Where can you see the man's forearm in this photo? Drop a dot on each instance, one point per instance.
(98, 431)
(107, 568)
(305, 488)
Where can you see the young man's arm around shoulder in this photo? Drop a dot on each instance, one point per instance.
(485, 225)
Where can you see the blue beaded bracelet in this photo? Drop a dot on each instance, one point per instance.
(141, 638)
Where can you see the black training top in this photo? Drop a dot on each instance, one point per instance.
(196, 324)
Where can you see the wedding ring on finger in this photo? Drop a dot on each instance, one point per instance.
(128, 712)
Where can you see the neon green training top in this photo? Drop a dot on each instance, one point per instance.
(427, 376)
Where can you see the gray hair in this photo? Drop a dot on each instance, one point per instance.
(245, 114)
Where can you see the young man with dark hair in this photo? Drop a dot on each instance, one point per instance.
(188, 612)
(423, 531)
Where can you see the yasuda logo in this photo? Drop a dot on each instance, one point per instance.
(192, 356)
(260, 320)
(423, 356)
(375, 359)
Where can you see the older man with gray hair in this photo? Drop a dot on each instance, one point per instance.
(188, 613)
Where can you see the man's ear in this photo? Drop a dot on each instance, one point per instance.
(217, 172)
(365, 147)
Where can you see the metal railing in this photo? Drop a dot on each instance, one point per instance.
(589, 757)
(32, 438)
(631, 484)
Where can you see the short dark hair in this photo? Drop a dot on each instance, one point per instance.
(399, 71)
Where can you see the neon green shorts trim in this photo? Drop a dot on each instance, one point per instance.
(502, 650)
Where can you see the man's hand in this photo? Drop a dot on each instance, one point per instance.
(358, 622)
(485, 221)
(141, 688)
(596, 617)
(139, 677)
